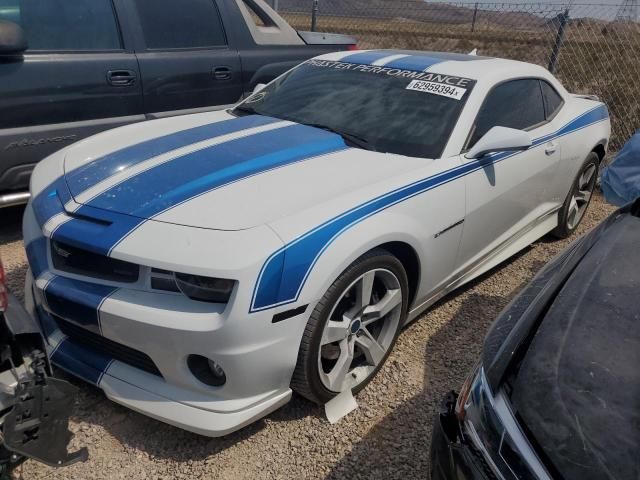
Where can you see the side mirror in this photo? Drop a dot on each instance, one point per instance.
(12, 38)
(500, 139)
(259, 87)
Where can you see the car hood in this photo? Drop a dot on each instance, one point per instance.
(217, 171)
(578, 386)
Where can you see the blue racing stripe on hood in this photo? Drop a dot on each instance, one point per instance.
(183, 178)
(121, 209)
(101, 168)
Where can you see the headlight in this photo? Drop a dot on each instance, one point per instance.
(205, 289)
(463, 398)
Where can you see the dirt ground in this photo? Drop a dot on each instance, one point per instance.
(387, 437)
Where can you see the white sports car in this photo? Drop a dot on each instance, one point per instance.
(199, 269)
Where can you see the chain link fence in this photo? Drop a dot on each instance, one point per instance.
(591, 48)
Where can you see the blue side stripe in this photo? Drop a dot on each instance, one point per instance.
(414, 62)
(77, 301)
(102, 168)
(285, 272)
(365, 58)
(90, 365)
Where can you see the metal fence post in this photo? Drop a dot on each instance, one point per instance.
(555, 52)
(475, 14)
(274, 5)
(314, 15)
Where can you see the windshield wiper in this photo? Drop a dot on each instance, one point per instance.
(244, 109)
(351, 138)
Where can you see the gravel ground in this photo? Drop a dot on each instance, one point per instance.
(386, 438)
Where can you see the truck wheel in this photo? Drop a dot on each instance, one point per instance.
(353, 328)
(578, 199)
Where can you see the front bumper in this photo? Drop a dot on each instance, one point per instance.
(204, 410)
(452, 459)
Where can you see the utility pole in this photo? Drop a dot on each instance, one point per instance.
(314, 15)
(475, 14)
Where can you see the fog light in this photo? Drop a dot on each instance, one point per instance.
(206, 370)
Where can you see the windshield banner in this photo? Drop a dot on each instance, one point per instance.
(462, 84)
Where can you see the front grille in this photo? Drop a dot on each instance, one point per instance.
(108, 347)
(82, 262)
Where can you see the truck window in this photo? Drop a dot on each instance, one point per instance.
(171, 24)
(61, 25)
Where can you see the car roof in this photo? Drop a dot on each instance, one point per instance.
(487, 70)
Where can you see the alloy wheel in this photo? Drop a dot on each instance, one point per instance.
(581, 196)
(360, 330)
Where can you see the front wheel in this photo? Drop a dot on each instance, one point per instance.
(578, 199)
(353, 328)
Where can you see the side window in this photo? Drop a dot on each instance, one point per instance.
(170, 24)
(63, 25)
(515, 104)
(552, 99)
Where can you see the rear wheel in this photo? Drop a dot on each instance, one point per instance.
(353, 328)
(577, 201)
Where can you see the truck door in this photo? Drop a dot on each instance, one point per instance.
(75, 79)
(185, 58)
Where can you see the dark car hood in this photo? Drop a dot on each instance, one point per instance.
(577, 390)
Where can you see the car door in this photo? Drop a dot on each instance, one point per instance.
(509, 193)
(185, 58)
(75, 79)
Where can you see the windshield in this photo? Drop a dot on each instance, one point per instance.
(378, 108)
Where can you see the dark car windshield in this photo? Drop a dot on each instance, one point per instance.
(382, 109)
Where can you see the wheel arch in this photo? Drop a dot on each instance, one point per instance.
(402, 242)
(600, 149)
(410, 262)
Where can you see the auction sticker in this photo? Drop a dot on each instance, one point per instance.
(441, 89)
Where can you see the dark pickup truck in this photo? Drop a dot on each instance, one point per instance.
(70, 69)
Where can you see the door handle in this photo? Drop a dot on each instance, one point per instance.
(121, 78)
(551, 147)
(222, 73)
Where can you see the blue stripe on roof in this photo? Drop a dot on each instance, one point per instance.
(102, 168)
(414, 62)
(365, 58)
(285, 272)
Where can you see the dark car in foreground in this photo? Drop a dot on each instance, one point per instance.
(71, 69)
(34, 406)
(556, 393)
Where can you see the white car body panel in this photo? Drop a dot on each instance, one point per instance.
(283, 223)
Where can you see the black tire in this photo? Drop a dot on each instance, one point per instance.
(564, 229)
(306, 377)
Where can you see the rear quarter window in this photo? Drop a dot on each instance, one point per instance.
(552, 99)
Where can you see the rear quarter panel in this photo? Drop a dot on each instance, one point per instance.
(595, 130)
